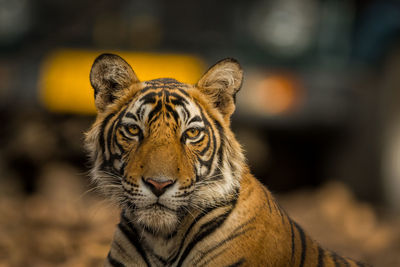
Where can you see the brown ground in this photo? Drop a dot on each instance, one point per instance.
(61, 225)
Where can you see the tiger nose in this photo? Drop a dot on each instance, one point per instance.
(158, 187)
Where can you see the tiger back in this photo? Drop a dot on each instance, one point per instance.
(164, 152)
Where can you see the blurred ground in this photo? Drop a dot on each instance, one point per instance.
(65, 224)
(59, 225)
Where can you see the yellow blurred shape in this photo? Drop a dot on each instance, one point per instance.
(64, 84)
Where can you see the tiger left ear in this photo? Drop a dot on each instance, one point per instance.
(221, 83)
(110, 75)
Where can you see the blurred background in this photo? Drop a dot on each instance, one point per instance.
(318, 113)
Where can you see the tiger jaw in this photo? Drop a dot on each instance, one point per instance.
(156, 218)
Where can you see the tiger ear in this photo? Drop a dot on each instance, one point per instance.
(221, 83)
(109, 75)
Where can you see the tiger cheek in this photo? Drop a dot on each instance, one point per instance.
(132, 174)
(135, 166)
(186, 169)
(126, 145)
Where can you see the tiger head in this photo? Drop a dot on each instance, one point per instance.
(162, 148)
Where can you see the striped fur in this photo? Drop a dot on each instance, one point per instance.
(213, 212)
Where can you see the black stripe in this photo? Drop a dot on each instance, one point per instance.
(215, 176)
(161, 259)
(235, 233)
(113, 261)
(210, 129)
(337, 259)
(115, 140)
(198, 141)
(165, 83)
(124, 135)
(152, 114)
(150, 98)
(221, 145)
(293, 242)
(102, 130)
(303, 244)
(139, 113)
(198, 218)
(109, 137)
(183, 92)
(226, 240)
(179, 100)
(207, 147)
(222, 251)
(173, 112)
(155, 86)
(212, 138)
(205, 230)
(111, 141)
(279, 209)
(119, 247)
(238, 263)
(321, 254)
(131, 115)
(265, 190)
(132, 235)
(219, 151)
(360, 264)
(194, 119)
(185, 113)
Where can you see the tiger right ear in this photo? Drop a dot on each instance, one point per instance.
(109, 75)
(221, 83)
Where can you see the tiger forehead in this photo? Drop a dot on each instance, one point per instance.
(164, 97)
(165, 83)
(164, 100)
(163, 89)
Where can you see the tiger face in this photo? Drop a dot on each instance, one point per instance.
(162, 148)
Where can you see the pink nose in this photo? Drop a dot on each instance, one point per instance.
(157, 187)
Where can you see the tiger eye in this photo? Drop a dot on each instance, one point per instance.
(192, 133)
(133, 130)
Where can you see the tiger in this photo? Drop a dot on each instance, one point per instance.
(163, 150)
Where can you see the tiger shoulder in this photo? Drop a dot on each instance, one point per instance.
(164, 152)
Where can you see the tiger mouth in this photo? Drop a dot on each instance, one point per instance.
(160, 207)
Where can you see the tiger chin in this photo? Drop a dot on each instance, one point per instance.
(164, 152)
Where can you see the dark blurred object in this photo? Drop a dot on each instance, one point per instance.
(33, 139)
(15, 21)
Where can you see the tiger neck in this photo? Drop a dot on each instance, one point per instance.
(167, 249)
